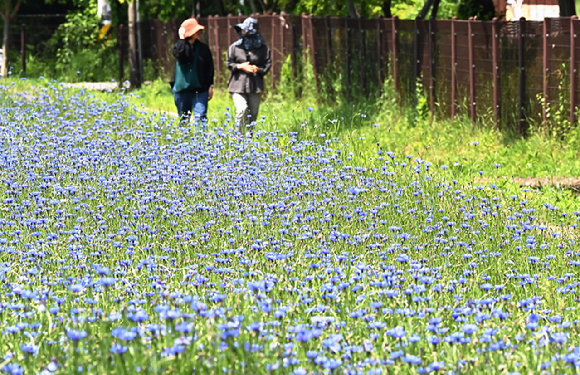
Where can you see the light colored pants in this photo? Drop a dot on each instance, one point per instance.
(247, 107)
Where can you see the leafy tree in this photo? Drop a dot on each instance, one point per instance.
(8, 13)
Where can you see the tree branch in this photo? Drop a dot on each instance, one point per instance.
(16, 8)
(435, 9)
(425, 10)
(386, 7)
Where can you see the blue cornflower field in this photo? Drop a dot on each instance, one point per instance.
(130, 243)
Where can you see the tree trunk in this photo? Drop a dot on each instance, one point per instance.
(290, 6)
(567, 8)
(221, 7)
(263, 6)
(5, 39)
(425, 10)
(435, 10)
(351, 8)
(133, 63)
(253, 6)
(386, 7)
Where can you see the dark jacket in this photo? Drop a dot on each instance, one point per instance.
(183, 51)
(242, 82)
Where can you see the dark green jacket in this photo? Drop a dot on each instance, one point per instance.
(184, 52)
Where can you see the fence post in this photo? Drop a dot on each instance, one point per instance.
(546, 69)
(23, 48)
(293, 54)
(431, 67)
(522, 76)
(472, 92)
(362, 56)
(218, 51)
(380, 54)
(416, 60)
(328, 40)
(274, 51)
(495, 67)
(304, 41)
(329, 68)
(573, 71)
(453, 68)
(313, 53)
(348, 56)
(120, 47)
(395, 56)
(283, 27)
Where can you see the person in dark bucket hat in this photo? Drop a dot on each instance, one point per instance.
(249, 60)
(192, 84)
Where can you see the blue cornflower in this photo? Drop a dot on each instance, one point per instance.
(469, 328)
(76, 335)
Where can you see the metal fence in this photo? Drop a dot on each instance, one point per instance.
(506, 72)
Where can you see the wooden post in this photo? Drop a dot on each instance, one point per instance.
(453, 68)
(328, 41)
(416, 59)
(546, 69)
(472, 93)
(293, 49)
(431, 66)
(395, 55)
(522, 76)
(229, 20)
(22, 48)
(292, 33)
(313, 53)
(283, 36)
(573, 71)
(380, 54)
(304, 38)
(329, 56)
(275, 52)
(362, 56)
(120, 48)
(496, 76)
(348, 56)
(216, 42)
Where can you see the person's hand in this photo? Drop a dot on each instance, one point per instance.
(181, 33)
(246, 67)
(210, 93)
(243, 66)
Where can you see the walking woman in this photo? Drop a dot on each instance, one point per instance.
(249, 60)
(192, 84)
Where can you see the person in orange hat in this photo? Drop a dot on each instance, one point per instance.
(192, 84)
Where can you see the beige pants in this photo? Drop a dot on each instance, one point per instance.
(247, 107)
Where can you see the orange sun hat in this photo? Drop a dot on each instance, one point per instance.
(189, 27)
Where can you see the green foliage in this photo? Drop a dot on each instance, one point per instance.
(78, 33)
(74, 53)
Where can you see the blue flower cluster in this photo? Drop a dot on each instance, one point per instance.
(129, 243)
